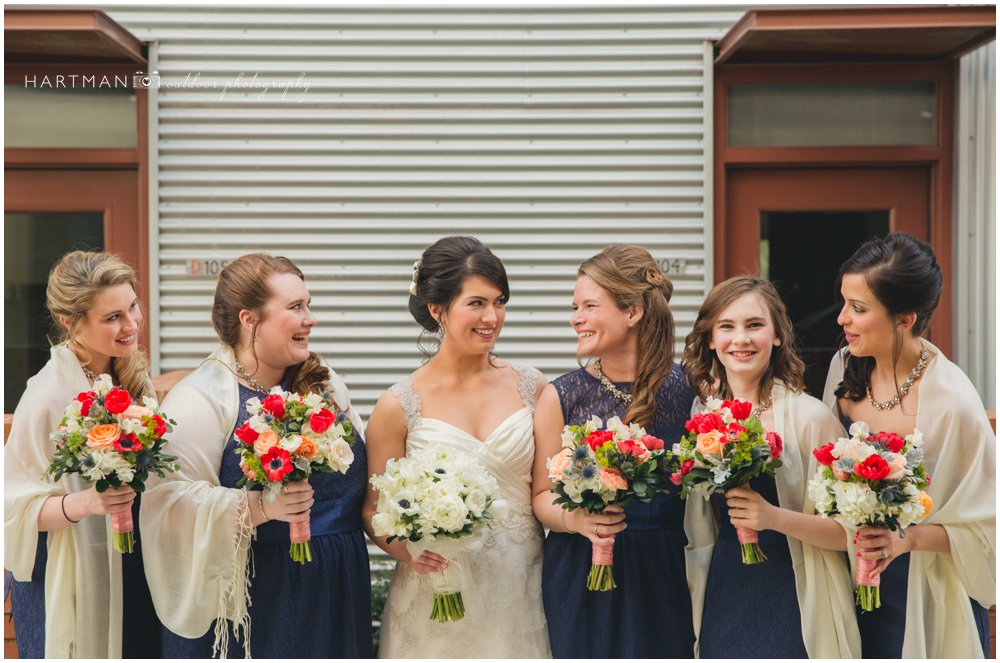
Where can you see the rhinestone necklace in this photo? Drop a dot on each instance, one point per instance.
(903, 388)
(609, 385)
(91, 375)
(761, 408)
(250, 380)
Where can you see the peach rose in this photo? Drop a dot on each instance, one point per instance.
(613, 479)
(307, 448)
(559, 463)
(897, 467)
(137, 412)
(710, 442)
(104, 435)
(927, 503)
(265, 441)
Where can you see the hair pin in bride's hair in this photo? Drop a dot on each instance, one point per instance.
(416, 274)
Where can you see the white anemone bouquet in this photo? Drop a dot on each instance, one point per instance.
(437, 500)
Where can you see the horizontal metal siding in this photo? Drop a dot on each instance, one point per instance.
(547, 132)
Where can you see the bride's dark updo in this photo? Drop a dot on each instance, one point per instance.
(443, 268)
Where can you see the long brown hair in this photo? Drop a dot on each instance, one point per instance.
(630, 275)
(243, 285)
(74, 283)
(707, 375)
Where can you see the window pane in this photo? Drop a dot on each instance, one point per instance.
(32, 244)
(832, 114)
(69, 117)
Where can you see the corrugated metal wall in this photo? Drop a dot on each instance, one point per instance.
(548, 132)
(975, 220)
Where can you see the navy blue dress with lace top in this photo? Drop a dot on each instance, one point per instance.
(649, 614)
(320, 609)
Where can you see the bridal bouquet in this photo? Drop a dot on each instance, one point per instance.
(437, 500)
(725, 448)
(289, 437)
(110, 440)
(871, 479)
(600, 465)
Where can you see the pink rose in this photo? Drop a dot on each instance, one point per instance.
(897, 467)
(676, 478)
(687, 466)
(274, 406)
(137, 412)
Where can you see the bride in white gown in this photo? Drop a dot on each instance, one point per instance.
(465, 398)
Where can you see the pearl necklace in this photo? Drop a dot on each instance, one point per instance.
(915, 374)
(609, 385)
(250, 380)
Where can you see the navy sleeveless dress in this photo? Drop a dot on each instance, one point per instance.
(882, 629)
(320, 609)
(649, 614)
(140, 626)
(762, 595)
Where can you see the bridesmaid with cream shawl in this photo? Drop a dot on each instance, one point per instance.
(205, 572)
(938, 582)
(798, 603)
(71, 588)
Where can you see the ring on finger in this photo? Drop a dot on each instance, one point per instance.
(885, 553)
(596, 533)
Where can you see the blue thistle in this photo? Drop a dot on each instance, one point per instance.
(588, 472)
(579, 453)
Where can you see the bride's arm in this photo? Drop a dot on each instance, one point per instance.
(548, 441)
(386, 439)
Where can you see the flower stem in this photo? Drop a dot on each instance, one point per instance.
(867, 597)
(600, 578)
(300, 552)
(448, 607)
(752, 554)
(124, 542)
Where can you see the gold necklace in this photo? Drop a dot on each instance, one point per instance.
(609, 385)
(90, 375)
(250, 380)
(903, 388)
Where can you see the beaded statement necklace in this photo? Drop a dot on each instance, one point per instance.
(91, 375)
(609, 385)
(250, 380)
(761, 408)
(915, 374)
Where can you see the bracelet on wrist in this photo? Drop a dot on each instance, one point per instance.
(62, 503)
(260, 503)
(562, 522)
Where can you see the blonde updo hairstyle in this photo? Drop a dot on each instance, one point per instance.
(630, 275)
(243, 285)
(74, 283)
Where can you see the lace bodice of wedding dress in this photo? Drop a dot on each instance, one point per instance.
(502, 588)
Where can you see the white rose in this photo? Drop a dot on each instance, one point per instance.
(475, 501)
(384, 524)
(448, 514)
(340, 455)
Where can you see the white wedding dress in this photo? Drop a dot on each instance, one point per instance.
(502, 590)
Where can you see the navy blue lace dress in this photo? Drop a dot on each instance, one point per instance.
(321, 609)
(140, 626)
(762, 595)
(649, 614)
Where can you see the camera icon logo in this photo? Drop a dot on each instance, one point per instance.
(144, 81)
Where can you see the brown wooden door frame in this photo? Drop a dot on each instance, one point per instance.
(936, 159)
(113, 193)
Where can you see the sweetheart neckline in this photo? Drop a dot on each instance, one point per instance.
(470, 435)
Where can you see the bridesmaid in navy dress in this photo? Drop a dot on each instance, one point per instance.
(622, 320)
(890, 288)
(224, 577)
(741, 347)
